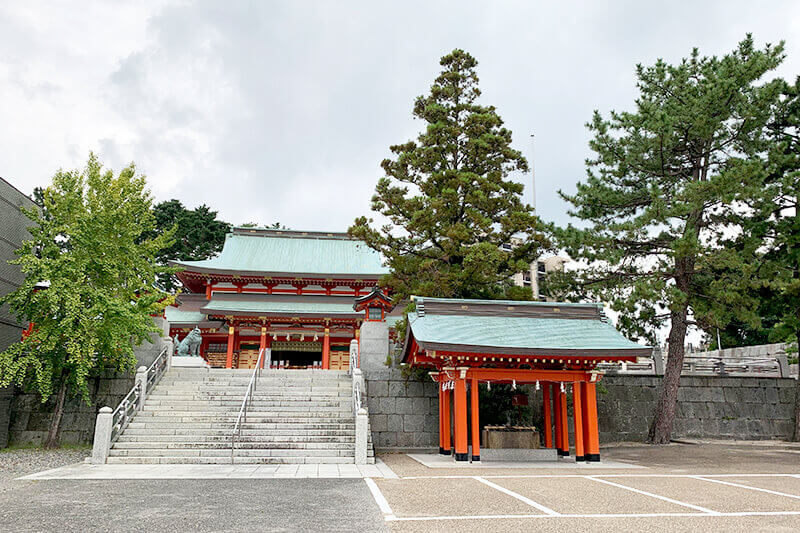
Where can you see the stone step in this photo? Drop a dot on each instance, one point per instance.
(342, 436)
(235, 405)
(229, 394)
(226, 452)
(301, 425)
(252, 417)
(240, 445)
(236, 460)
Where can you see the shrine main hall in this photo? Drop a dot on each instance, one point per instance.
(292, 300)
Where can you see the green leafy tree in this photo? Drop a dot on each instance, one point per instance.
(86, 248)
(660, 202)
(197, 234)
(448, 199)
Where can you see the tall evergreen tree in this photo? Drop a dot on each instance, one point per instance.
(448, 198)
(197, 234)
(660, 201)
(86, 246)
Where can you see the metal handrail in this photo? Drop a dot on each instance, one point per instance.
(122, 415)
(251, 386)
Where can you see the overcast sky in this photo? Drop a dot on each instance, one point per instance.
(282, 111)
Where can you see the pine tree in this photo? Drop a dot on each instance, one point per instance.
(448, 198)
(663, 196)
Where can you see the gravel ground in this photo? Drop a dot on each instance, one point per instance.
(21, 462)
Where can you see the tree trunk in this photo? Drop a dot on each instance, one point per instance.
(54, 434)
(664, 415)
(797, 396)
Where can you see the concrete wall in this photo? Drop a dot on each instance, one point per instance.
(708, 407)
(403, 413)
(13, 224)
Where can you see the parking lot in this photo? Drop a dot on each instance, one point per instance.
(746, 487)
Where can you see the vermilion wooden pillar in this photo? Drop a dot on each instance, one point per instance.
(577, 413)
(262, 345)
(460, 422)
(209, 288)
(229, 358)
(441, 418)
(557, 416)
(446, 421)
(326, 350)
(562, 399)
(592, 435)
(548, 422)
(358, 340)
(476, 429)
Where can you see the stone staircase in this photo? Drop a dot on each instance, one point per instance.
(295, 416)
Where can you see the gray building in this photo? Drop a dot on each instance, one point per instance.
(13, 224)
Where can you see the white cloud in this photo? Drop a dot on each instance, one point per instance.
(278, 111)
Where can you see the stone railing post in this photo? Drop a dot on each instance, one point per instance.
(361, 437)
(170, 352)
(141, 381)
(102, 436)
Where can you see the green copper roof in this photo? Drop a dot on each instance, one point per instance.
(265, 252)
(523, 333)
(255, 307)
(175, 316)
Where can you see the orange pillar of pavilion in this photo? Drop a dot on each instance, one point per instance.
(441, 417)
(326, 350)
(445, 394)
(229, 358)
(460, 422)
(548, 422)
(562, 407)
(475, 422)
(591, 433)
(557, 418)
(577, 413)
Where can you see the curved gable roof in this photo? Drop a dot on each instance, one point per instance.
(284, 252)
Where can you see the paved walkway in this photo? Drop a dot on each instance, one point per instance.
(191, 471)
(713, 487)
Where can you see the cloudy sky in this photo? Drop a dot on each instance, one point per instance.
(282, 111)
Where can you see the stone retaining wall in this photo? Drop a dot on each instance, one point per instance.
(30, 418)
(403, 413)
(708, 407)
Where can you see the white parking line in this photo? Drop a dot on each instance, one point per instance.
(511, 476)
(520, 497)
(379, 498)
(664, 498)
(603, 515)
(739, 485)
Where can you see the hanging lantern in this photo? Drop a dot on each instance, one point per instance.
(537, 384)
(513, 384)
(562, 387)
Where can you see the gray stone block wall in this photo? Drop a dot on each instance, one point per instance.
(30, 418)
(708, 407)
(403, 413)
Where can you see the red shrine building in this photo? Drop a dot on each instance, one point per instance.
(302, 296)
(306, 299)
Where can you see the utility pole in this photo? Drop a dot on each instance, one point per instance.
(533, 173)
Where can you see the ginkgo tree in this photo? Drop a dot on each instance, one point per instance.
(89, 289)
